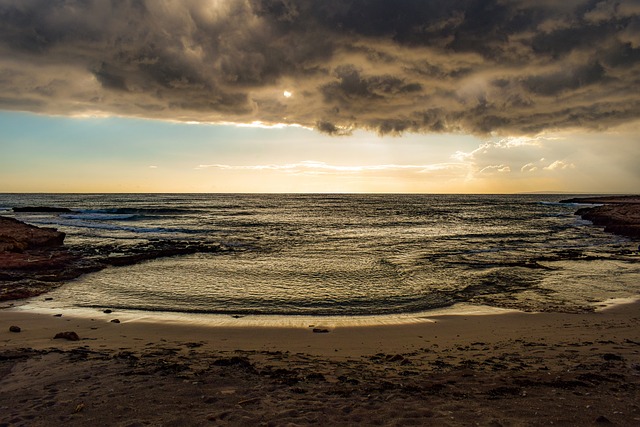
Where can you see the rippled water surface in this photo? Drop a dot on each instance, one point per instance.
(342, 254)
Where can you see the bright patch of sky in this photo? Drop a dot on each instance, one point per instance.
(111, 154)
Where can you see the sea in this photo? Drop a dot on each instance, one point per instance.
(338, 255)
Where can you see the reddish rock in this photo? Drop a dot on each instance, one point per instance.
(622, 218)
(71, 336)
(16, 236)
(33, 260)
(618, 214)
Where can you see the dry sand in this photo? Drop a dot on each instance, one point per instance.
(490, 370)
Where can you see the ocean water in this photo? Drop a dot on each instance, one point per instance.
(340, 255)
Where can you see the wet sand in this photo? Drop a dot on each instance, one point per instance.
(502, 369)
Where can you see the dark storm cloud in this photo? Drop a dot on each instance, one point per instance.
(352, 85)
(507, 66)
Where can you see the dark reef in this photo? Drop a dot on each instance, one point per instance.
(42, 209)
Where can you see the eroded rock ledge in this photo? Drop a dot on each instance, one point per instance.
(34, 260)
(618, 214)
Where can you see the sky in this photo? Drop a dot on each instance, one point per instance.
(408, 96)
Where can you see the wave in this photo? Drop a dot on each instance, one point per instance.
(106, 226)
(572, 204)
(136, 211)
(372, 308)
(101, 216)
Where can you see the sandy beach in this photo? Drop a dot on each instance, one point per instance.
(500, 369)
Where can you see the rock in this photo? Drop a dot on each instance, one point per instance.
(14, 329)
(320, 331)
(108, 311)
(604, 199)
(71, 336)
(619, 216)
(42, 209)
(16, 236)
(8, 244)
(115, 321)
(395, 358)
(33, 260)
(154, 250)
(57, 315)
(603, 420)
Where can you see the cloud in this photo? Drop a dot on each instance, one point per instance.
(475, 66)
(559, 165)
(520, 155)
(529, 167)
(312, 167)
(495, 169)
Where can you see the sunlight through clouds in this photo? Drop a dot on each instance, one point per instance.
(316, 167)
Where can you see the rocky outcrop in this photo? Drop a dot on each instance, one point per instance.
(610, 200)
(619, 215)
(33, 260)
(16, 236)
(621, 219)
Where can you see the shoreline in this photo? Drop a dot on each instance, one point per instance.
(444, 367)
(485, 324)
(286, 321)
(497, 369)
(39, 307)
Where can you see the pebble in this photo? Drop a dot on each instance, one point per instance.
(71, 336)
(14, 328)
